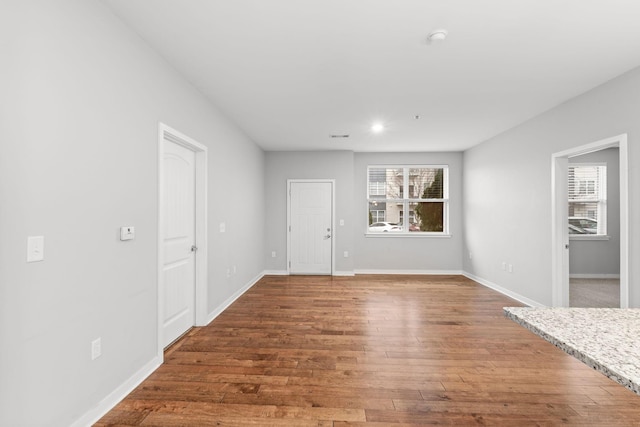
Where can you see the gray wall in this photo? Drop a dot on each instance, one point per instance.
(511, 174)
(281, 166)
(600, 257)
(411, 253)
(81, 100)
(397, 254)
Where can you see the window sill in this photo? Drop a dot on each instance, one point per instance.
(588, 237)
(409, 235)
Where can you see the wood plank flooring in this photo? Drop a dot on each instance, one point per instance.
(371, 351)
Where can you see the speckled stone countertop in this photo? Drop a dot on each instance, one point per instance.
(606, 339)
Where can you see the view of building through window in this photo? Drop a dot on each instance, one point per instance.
(422, 208)
(588, 199)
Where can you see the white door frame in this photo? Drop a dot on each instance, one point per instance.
(559, 209)
(200, 151)
(333, 216)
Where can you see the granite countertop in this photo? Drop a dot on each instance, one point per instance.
(606, 339)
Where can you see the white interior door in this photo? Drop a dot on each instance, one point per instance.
(310, 227)
(178, 265)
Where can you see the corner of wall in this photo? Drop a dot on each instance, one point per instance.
(524, 300)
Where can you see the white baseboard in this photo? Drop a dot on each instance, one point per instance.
(416, 272)
(276, 273)
(222, 307)
(106, 404)
(504, 291)
(594, 276)
(286, 273)
(344, 273)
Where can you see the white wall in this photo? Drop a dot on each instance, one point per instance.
(81, 100)
(281, 166)
(511, 174)
(600, 257)
(409, 254)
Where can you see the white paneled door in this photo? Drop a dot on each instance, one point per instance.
(178, 204)
(310, 232)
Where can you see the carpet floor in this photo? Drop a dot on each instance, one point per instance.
(598, 293)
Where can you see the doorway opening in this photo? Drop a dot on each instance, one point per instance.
(594, 229)
(560, 219)
(182, 235)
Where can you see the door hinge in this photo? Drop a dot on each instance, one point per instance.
(289, 228)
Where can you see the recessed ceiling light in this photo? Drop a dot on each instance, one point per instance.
(437, 35)
(377, 127)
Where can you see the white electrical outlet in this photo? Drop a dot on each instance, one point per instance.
(96, 348)
(346, 254)
(504, 265)
(273, 254)
(127, 233)
(510, 268)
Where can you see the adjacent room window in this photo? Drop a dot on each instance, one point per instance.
(423, 208)
(588, 199)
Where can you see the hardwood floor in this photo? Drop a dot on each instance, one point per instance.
(371, 351)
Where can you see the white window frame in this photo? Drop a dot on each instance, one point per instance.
(405, 201)
(599, 199)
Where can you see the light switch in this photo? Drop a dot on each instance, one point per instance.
(342, 222)
(35, 248)
(223, 227)
(127, 233)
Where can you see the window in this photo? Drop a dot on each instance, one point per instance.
(376, 216)
(425, 204)
(377, 188)
(588, 199)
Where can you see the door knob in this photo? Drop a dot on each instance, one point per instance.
(328, 236)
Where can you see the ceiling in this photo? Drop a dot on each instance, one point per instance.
(291, 73)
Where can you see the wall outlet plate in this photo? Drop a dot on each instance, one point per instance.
(127, 233)
(35, 248)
